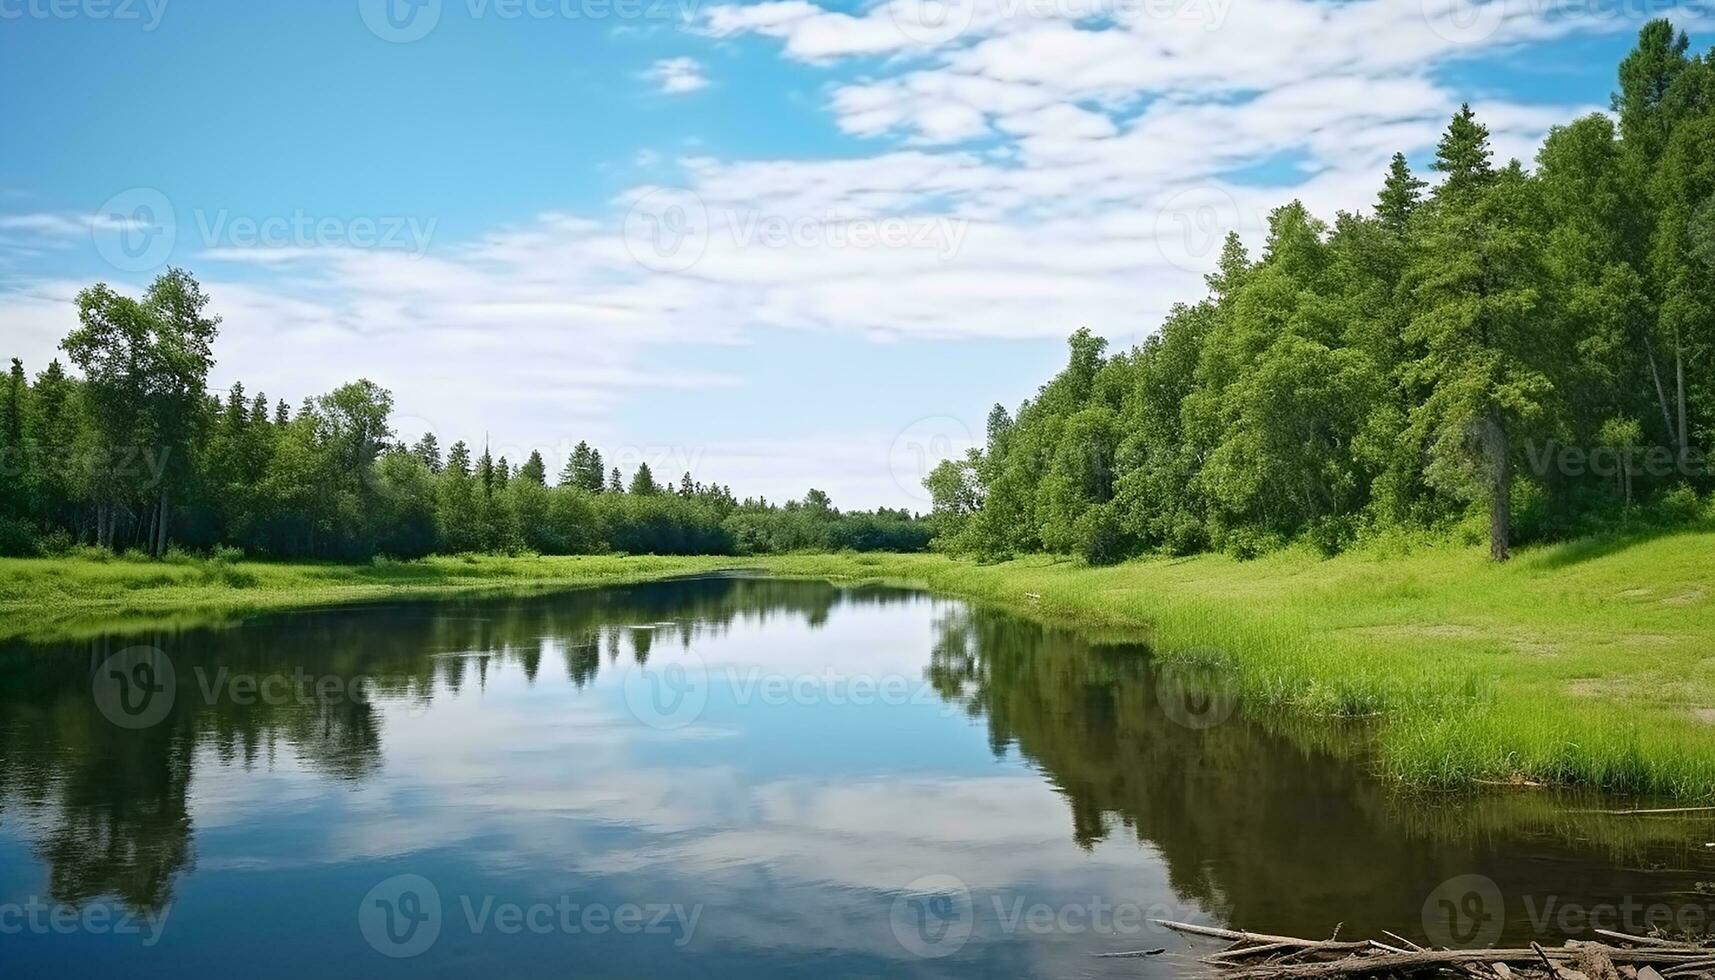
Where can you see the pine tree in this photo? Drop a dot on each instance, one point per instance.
(1464, 155)
(592, 475)
(1230, 268)
(1646, 76)
(1482, 320)
(643, 481)
(428, 449)
(458, 460)
(613, 482)
(14, 462)
(237, 407)
(534, 470)
(1400, 194)
(485, 473)
(571, 474)
(51, 433)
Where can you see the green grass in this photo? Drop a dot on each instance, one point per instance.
(57, 598)
(1590, 664)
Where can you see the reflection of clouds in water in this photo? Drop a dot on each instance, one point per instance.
(536, 779)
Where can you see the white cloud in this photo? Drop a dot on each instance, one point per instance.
(1036, 169)
(677, 76)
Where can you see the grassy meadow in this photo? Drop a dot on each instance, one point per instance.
(1590, 663)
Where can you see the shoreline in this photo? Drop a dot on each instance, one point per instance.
(1589, 664)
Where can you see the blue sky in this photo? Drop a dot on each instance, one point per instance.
(778, 243)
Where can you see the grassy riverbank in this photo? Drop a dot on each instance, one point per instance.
(54, 597)
(1590, 663)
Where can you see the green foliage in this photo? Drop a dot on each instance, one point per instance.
(88, 462)
(1458, 356)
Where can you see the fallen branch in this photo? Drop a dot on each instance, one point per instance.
(1262, 956)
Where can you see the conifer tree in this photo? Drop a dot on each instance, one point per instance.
(1399, 197)
(534, 470)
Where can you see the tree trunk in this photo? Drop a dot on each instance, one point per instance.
(1660, 392)
(161, 525)
(1679, 381)
(1500, 497)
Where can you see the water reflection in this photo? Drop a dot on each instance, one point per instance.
(490, 748)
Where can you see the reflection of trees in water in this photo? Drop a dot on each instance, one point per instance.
(1261, 821)
(114, 800)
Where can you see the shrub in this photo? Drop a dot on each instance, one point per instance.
(17, 538)
(58, 543)
(1681, 505)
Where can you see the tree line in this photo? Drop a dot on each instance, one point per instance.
(1510, 354)
(133, 453)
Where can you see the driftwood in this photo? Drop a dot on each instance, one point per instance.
(1260, 956)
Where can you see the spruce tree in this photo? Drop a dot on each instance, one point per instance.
(534, 470)
(458, 460)
(1464, 155)
(592, 475)
(1401, 191)
(428, 450)
(485, 472)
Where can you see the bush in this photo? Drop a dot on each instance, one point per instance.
(1099, 539)
(17, 538)
(1331, 534)
(1246, 543)
(57, 543)
(1681, 505)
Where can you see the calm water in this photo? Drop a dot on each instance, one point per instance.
(722, 777)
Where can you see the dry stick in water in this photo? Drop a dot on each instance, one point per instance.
(1577, 960)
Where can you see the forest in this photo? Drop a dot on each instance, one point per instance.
(134, 454)
(1511, 355)
(1505, 355)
